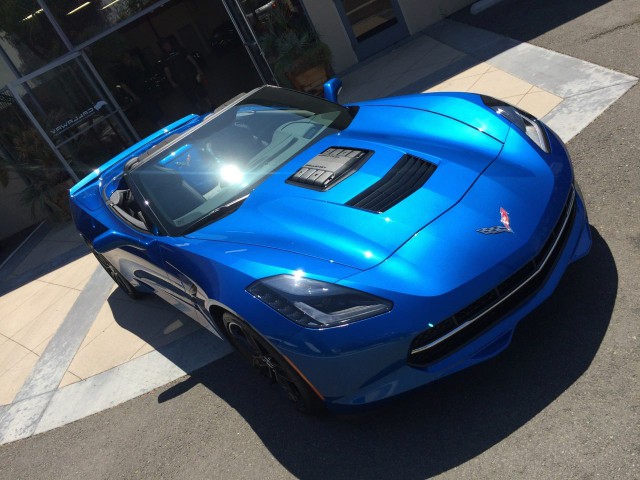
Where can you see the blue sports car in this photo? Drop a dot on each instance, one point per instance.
(350, 253)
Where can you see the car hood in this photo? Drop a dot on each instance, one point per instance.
(467, 108)
(289, 217)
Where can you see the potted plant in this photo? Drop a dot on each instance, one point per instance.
(47, 184)
(298, 57)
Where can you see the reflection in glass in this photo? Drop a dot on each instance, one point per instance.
(76, 115)
(7, 74)
(24, 153)
(100, 141)
(64, 94)
(369, 17)
(297, 56)
(27, 36)
(132, 61)
(83, 19)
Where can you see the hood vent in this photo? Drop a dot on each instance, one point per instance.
(329, 168)
(406, 177)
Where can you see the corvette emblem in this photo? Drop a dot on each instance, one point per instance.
(505, 228)
(504, 219)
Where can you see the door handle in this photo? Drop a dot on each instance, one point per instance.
(193, 291)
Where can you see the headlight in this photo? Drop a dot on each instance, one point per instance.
(525, 122)
(316, 304)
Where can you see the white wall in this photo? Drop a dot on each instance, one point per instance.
(419, 14)
(327, 22)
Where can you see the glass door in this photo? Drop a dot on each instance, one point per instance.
(245, 19)
(74, 113)
(372, 24)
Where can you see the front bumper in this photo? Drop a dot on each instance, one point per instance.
(370, 362)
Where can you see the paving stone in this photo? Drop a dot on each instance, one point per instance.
(539, 103)
(12, 379)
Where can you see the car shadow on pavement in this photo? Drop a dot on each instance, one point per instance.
(523, 20)
(449, 422)
(60, 255)
(502, 28)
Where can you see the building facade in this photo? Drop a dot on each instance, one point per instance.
(80, 80)
(357, 29)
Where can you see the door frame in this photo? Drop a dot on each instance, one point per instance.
(379, 41)
(250, 41)
(94, 82)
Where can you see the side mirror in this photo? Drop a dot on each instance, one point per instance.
(332, 89)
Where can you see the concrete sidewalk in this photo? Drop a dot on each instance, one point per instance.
(72, 345)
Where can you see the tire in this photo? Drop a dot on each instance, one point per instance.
(264, 358)
(117, 277)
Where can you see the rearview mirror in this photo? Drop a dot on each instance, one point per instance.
(332, 89)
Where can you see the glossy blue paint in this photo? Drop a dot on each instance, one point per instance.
(332, 89)
(316, 223)
(467, 108)
(423, 254)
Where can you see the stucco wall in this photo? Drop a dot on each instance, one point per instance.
(327, 22)
(419, 14)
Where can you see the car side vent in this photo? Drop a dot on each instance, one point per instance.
(406, 177)
(329, 168)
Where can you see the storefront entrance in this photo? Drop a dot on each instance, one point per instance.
(372, 25)
(75, 113)
(127, 71)
(184, 57)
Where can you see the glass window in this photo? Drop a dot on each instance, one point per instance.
(6, 73)
(183, 58)
(84, 19)
(298, 57)
(27, 36)
(24, 153)
(76, 115)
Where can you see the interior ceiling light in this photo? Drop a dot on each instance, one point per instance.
(110, 4)
(29, 17)
(78, 8)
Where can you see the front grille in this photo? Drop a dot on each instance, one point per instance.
(406, 176)
(454, 332)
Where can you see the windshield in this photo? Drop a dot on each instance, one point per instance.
(209, 171)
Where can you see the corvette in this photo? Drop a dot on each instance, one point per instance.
(351, 253)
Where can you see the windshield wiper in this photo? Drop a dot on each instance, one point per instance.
(216, 214)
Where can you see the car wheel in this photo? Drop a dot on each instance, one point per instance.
(271, 364)
(122, 282)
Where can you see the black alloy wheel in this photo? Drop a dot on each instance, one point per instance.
(117, 277)
(271, 364)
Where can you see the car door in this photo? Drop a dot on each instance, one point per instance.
(179, 268)
(138, 257)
